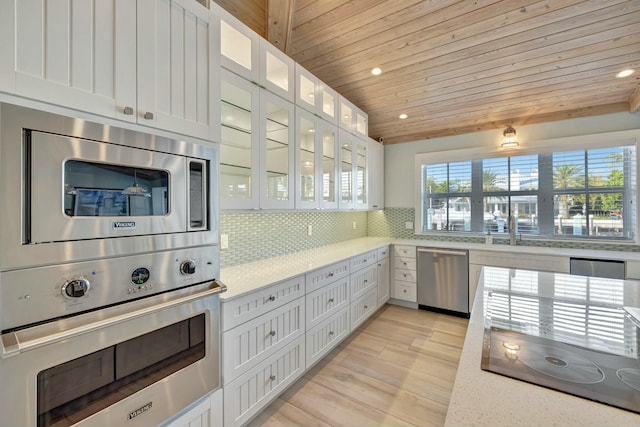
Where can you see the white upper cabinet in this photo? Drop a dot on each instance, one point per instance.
(315, 96)
(316, 162)
(361, 174)
(256, 147)
(277, 145)
(174, 71)
(142, 61)
(352, 119)
(376, 174)
(247, 54)
(345, 169)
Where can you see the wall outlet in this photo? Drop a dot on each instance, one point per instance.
(309, 230)
(224, 241)
(408, 225)
(354, 225)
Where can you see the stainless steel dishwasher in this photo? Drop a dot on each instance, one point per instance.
(443, 280)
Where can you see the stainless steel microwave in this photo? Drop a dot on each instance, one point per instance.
(74, 190)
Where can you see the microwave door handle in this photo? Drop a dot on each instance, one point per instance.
(12, 344)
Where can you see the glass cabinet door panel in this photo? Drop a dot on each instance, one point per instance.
(238, 156)
(277, 72)
(328, 103)
(329, 167)
(307, 91)
(346, 173)
(361, 123)
(277, 155)
(307, 153)
(361, 175)
(235, 45)
(346, 116)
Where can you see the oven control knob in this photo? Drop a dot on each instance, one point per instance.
(75, 288)
(188, 267)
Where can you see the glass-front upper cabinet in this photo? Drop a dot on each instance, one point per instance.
(346, 159)
(276, 71)
(328, 99)
(247, 54)
(329, 165)
(239, 133)
(316, 162)
(276, 152)
(352, 119)
(306, 89)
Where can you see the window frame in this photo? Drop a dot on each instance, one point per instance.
(541, 147)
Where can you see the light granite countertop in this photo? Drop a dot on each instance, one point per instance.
(486, 399)
(245, 278)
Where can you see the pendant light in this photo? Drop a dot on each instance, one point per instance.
(510, 139)
(135, 189)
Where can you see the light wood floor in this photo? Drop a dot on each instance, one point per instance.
(397, 369)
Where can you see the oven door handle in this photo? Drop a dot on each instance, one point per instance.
(14, 343)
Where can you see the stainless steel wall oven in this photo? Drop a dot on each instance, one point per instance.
(109, 306)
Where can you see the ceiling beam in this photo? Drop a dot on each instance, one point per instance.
(279, 13)
(634, 100)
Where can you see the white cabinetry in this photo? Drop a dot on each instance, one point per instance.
(203, 413)
(352, 119)
(257, 147)
(404, 286)
(316, 162)
(244, 52)
(143, 61)
(315, 96)
(383, 276)
(375, 173)
(353, 169)
(263, 344)
(364, 287)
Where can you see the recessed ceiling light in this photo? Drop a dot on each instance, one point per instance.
(402, 116)
(376, 71)
(625, 73)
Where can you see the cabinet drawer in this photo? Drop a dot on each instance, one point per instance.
(326, 301)
(405, 291)
(404, 251)
(383, 253)
(326, 335)
(246, 345)
(362, 308)
(318, 278)
(405, 275)
(404, 263)
(361, 261)
(363, 280)
(248, 395)
(247, 307)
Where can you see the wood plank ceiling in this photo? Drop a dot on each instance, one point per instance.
(459, 66)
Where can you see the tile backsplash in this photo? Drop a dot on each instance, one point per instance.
(258, 235)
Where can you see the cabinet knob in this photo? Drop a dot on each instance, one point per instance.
(272, 333)
(330, 332)
(365, 280)
(330, 275)
(272, 377)
(330, 300)
(366, 306)
(404, 290)
(128, 111)
(272, 298)
(148, 115)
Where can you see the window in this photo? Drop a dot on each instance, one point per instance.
(578, 193)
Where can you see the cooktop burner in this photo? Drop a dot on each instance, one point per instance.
(599, 376)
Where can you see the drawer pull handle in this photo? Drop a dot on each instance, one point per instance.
(128, 111)
(366, 306)
(365, 280)
(272, 377)
(405, 291)
(330, 332)
(148, 115)
(404, 275)
(272, 298)
(330, 300)
(330, 275)
(272, 333)
(404, 263)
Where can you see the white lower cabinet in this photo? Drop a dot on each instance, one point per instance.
(250, 392)
(362, 308)
(206, 412)
(325, 336)
(404, 285)
(271, 336)
(246, 345)
(383, 276)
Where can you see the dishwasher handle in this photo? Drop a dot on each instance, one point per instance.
(442, 251)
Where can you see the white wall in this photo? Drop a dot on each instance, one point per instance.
(399, 158)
